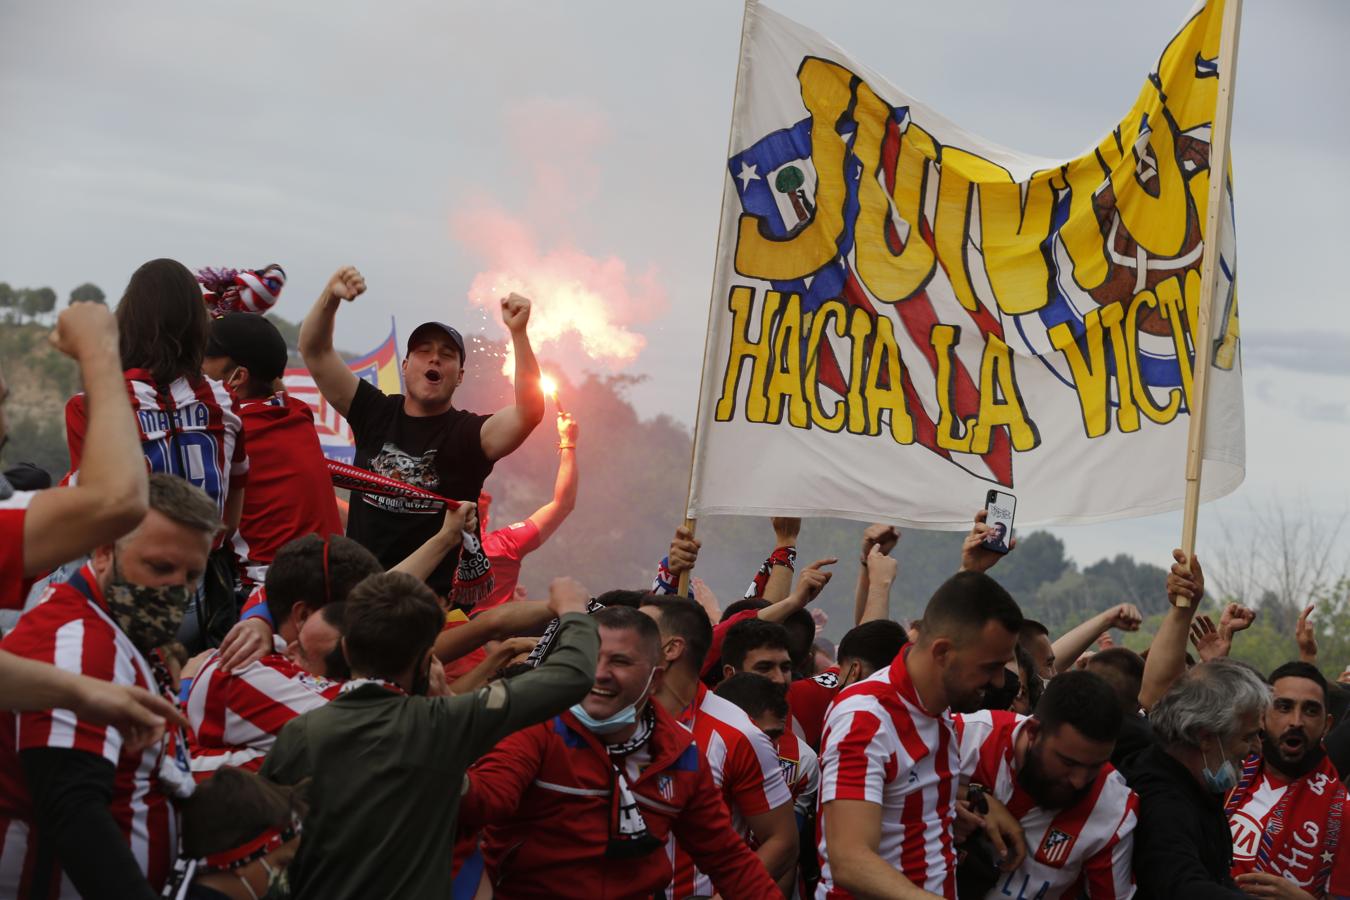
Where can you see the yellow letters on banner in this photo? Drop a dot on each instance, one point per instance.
(743, 348)
(890, 277)
(952, 432)
(1161, 415)
(834, 312)
(1145, 184)
(886, 360)
(827, 90)
(997, 378)
(785, 380)
(1014, 220)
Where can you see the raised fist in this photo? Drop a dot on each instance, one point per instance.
(84, 328)
(515, 312)
(347, 283)
(567, 428)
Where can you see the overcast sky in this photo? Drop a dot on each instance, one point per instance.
(403, 137)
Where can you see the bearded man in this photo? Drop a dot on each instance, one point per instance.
(1051, 770)
(1286, 812)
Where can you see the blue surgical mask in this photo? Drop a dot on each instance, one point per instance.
(1221, 780)
(617, 722)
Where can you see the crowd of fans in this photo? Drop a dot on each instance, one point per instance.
(226, 683)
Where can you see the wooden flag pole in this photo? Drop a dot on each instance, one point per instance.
(689, 522)
(1218, 179)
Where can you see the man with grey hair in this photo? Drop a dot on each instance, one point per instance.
(76, 811)
(1206, 724)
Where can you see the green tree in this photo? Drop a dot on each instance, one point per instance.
(8, 299)
(34, 302)
(88, 292)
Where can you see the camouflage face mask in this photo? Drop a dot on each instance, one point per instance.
(150, 616)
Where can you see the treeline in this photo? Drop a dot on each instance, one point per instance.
(31, 304)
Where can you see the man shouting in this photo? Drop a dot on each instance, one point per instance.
(419, 437)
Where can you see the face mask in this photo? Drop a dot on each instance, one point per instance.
(150, 616)
(1221, 781)
(617, 722)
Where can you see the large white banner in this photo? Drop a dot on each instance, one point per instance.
(905, 315)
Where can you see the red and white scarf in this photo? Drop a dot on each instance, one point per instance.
(241, 290)
(473, 575)
(1317, 797)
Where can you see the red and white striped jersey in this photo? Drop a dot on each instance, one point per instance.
(1085, 850)
(190, 428)
(744, 767)
(801, 771)
(236, 716)
(70, 628)
(13, 585)
(880, 745)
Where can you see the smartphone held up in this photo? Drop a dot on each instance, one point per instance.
(999, 509)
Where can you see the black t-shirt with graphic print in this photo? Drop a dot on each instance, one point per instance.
(440, 453)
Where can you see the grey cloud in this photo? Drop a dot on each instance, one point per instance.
(1305, 350)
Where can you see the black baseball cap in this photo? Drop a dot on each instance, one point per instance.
(454, 335)
(251, 341)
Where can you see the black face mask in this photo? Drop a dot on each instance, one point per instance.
(6, 489)
(1002, 698)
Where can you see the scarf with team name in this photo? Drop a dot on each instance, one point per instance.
(473, 575)
(1317, 797)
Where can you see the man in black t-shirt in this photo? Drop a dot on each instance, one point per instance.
(419, 437)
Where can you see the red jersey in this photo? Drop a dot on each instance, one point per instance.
(13, 585)
(70, 627)
(744, 767)
(882, 746)
(190, 428)
(1085, 850)
(290, 493)
(809, 700)
(237, 716)
(505, 548)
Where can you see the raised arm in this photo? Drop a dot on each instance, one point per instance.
(809, 585)
(424, 560)
(785, 532)
(1075, 642)
(508, 428)
(1167, 654)
(562, 679)
(111, 494)
(335, 381)
(865, 600)
(548, 517)
(496, 624)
